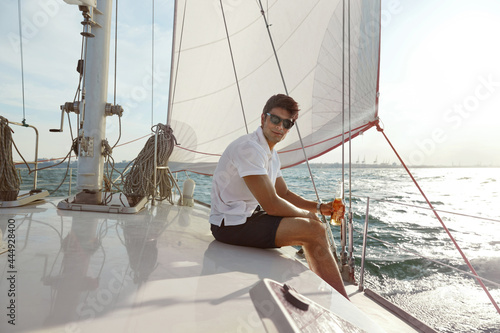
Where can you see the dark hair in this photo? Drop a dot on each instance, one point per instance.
(284, 102)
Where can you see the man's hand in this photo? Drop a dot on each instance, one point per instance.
(333, 207)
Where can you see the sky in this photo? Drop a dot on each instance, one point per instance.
(439, 79)
(439, 85)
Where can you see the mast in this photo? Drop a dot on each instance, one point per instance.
(92, 133)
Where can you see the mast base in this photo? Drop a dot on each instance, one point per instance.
(114, 203)
(88, 197)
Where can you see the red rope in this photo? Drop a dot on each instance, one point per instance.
(442, 223)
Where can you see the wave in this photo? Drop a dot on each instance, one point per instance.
(485, 267)
(443, 303)
(409, 269)
(414, 269)
(390, 198)
(373, 220)
(434, 203)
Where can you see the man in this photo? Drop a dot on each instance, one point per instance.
(248, 178)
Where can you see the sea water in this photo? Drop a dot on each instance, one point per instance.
(407, 242)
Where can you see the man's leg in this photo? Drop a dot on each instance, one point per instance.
(311, 235)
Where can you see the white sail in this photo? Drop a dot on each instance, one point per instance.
(309, 38)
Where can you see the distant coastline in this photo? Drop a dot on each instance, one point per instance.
(391, 166)
(123, 164)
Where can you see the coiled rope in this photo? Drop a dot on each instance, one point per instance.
(9, 182)
(139, 182)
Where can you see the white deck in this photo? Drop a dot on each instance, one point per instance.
(156, 271)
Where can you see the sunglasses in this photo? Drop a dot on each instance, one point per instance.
(287, 123)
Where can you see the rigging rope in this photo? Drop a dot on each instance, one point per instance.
(109, 183)
(139, 182)
(234, 66)
(9, 184)
(330, 237)
(152, 59)
(115, 75)
(380, 129)
(22, 59)
(286, 91)
(343, 232)
(437, 210)
(348, 226)
(81, 116)
(80, 90)
(173, 79)
(116, 51)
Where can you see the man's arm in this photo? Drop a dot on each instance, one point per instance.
(284, 192)
(265, 192)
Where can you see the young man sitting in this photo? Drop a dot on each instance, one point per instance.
(252, 205)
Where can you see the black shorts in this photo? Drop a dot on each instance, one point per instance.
(258, 231)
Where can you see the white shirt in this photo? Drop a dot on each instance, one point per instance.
(231, 198)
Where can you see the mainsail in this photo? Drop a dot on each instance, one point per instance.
(227, 62)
